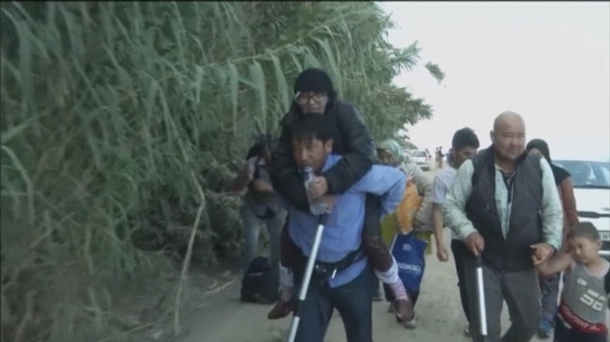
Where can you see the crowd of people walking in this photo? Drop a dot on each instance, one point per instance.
(506, 204)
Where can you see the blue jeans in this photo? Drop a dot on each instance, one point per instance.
(549, 290)
(353, 300)
(252, 229)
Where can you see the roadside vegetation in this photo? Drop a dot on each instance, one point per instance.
(122, 124)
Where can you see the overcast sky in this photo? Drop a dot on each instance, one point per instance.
(549, 62)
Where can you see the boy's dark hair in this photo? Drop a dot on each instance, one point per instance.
(310, 126)
(584, 230)
(464, 137)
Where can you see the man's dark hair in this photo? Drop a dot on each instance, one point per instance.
(584, 230)
(308, 127)
(464, 137)
(262, 143)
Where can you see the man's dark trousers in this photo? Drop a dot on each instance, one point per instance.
(353, 300)
(521, 292)
(459, 251)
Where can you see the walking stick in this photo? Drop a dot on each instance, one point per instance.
(481, 293)
(294, 325)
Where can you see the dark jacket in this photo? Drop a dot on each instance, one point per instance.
(512, 253)
(351, 139)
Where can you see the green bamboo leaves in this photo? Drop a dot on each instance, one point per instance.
(110, 108)
(258, 78)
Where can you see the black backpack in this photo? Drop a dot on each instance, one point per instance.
(261, 282)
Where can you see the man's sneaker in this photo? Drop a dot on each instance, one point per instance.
(544, 331)
(411, 324)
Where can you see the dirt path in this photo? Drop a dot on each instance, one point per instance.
(225, 319)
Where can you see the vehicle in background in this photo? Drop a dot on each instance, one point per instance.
(591, 182)
(421, 158)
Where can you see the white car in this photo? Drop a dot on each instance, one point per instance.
(591, 181)
(421, 158)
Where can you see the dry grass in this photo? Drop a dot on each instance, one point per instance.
(109, 109)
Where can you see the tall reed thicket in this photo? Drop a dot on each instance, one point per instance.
(109, 108)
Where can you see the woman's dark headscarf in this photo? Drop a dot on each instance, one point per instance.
(559, 173)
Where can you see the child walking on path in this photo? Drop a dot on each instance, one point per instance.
(582, 310)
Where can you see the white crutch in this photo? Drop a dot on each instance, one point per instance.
(481, 293)
(294, 325)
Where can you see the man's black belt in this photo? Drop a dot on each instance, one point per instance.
(325, 270)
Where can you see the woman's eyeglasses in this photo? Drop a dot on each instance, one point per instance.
(304, 98)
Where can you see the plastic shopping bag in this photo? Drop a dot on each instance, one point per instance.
(409, 254)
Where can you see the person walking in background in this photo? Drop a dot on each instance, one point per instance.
(439, 157)
(464, 146)
(549, 286)
(413, 213)
(390, 153)
(504, 205)
(261, 204)
(450, 157)
(422, 223)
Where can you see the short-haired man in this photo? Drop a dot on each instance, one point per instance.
(349, 290)
(463, 147)
(505, 206)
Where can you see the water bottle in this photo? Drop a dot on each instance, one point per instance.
(316, 205)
